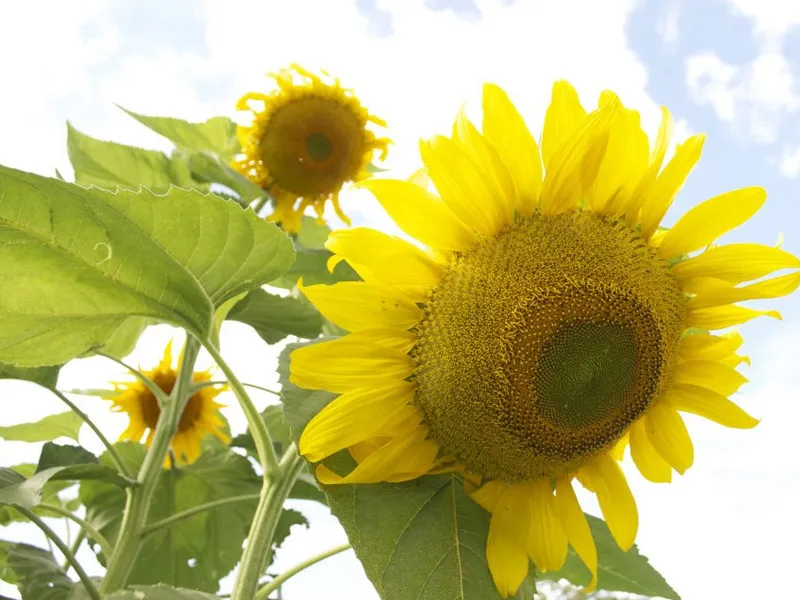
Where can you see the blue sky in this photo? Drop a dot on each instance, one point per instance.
(725, 67)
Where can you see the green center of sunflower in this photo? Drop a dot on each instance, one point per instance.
(319, 147)
(540, 347)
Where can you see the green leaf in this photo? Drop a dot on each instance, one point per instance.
(286, 521)
(76, 263)
(210, 168)
(221, 314)
(158, 592)
(39, 576)
(313, 233)
(6, 573)
(274, 317)
(110, 165)
(16, 490)
(311, 265)
(617, 570)
(77, 464)
(123, 340)
(50, 493)
(66, 424)
(46, 377)
(195, 552)
(217, 134)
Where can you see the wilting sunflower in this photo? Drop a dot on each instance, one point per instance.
(307, 139)
(200, 416)
(547, 324)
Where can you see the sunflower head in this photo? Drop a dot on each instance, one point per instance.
(199, 419)
(543, 325)
(307, 139)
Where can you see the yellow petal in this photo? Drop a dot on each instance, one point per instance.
(381, 258)
(486, 157)
(356, 305)
(574, 167)
(706, 222)
(709, 404)
(642, 190)
(464, 186)
(575, 526)
(547, 542)
(736, 263)
(561, 120)
(711, 375)
(647, 460)
(703, 346)
(488, 494)
(669, 183)
(505, 552)
(420, 178)
(348, 363)
(421, 214)
(668, 434)
(506, 130)
(716, 292)
(410, 453)
(720, 317)
(615, 499)
(356, 416)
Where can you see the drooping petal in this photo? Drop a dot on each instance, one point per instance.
(573, 521)
(721, 317)
(564, 115)
(356, 416)
(464, 186)
(667, 432)
(547, 542)
(669, 183)
(710, 405)
(505, 550)
(716, 292)
(421, 214)
(574, 167)
(706, 222)
(703, 346)
(348, 363)
(711, 375)
(647, 459)
(615, 499)
(381, 258)
(356, 305)
(506, 130)
(736, 263)
(488, 494)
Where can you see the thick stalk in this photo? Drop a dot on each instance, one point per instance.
(51, 535)
(137, 506)
(262, 530)
(256, 425)
(273, 585)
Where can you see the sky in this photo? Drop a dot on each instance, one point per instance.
(725, 67)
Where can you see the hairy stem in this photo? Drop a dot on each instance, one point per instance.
(172, 519)
(62, 547)
(262, 530)
(84, 525)
(120, 464)
(273, 585)
(202, 384)
(139, 498)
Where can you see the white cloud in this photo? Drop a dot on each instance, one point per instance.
(754, 97)
(667, 26)
(789, 163)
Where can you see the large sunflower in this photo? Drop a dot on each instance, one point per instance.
(307, 139)
(547, 323)
(200, 417)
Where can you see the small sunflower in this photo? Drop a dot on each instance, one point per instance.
(546, 324)
(200, 416)
(307, 139)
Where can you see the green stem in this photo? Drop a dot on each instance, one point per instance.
(68, 554)
(91, 392)
(137, 506)
(153, 527)
(262, 530)
(202, 384)
(111, 450)
(149, 384)
(75, 545)
(256, 425)
(273, 585)
(87, 527)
